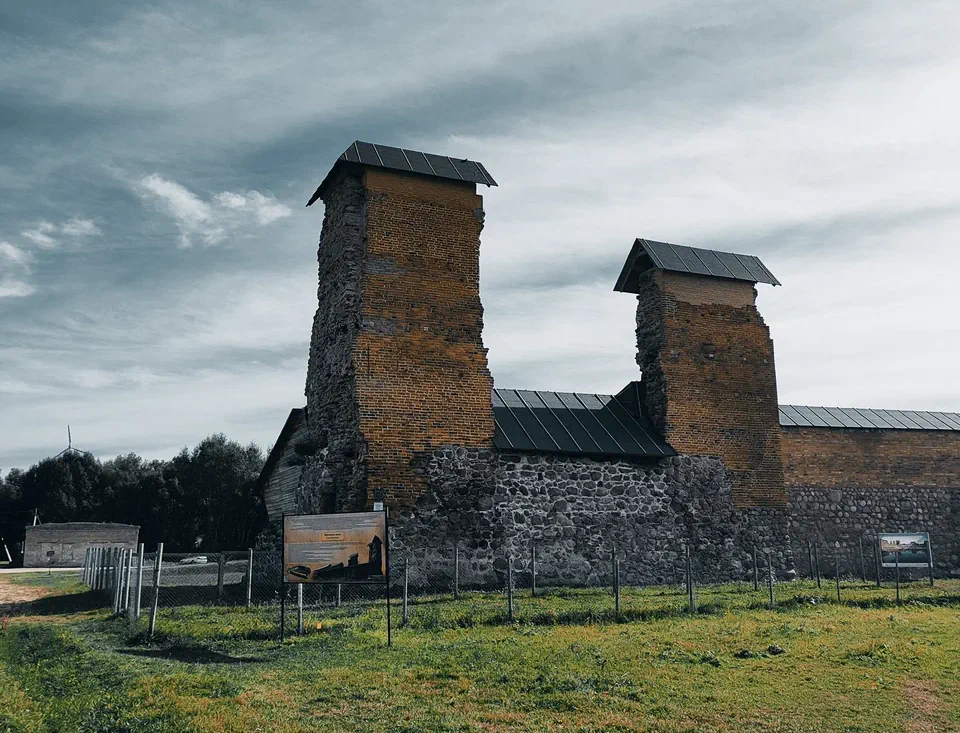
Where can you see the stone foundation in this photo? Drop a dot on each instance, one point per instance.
(494, 505)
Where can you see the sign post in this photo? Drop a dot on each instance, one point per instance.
(335, 549)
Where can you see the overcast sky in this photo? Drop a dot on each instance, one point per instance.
(158, 269)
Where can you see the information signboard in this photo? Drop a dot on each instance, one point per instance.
(335, 548)
(908, 550)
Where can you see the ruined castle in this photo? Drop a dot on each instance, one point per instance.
(401, 407)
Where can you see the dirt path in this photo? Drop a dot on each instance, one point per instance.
(10, 593)
(926, 706)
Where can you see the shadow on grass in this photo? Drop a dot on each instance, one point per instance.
(191, 655)
(804, 600)
(54, 605)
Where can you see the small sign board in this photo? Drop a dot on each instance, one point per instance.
(908, 550)
(335, 548)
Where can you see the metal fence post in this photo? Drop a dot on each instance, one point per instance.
(115, 561)
(83, 575)
(756, 576)
(157, 564)
(339, 601)
(770, 579)
(510, 588)
(406, 590)
(930, 560)
(691, 597)
(136, 601)
(816, 560)
(249, 576)
(533, 569)
(121, 565)
(837, 570)
(810, 558)
(896, 559)
(616, 586)
(221, 573)
(300, 609)
(95, 571)
(128, 577)
(456, 572)
(863, 565)
(876, 557)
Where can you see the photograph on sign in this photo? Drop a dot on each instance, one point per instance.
(335, 548)
(912, 549)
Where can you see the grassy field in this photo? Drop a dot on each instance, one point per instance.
(568, 662)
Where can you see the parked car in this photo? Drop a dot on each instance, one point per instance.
(194, 560)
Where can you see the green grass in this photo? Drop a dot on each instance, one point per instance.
(568, 662)
(63, 582)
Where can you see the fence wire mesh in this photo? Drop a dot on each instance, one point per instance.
(451, 585)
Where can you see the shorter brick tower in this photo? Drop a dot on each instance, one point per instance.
(709, 382)
(397, 364)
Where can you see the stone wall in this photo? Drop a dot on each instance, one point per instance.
(335, 477)
(847, 484)
(709, 380)
(69, 542)
(576, 509)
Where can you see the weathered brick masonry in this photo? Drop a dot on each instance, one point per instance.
(709, 379)
(397, 336)
(847, 484)
(399, 408)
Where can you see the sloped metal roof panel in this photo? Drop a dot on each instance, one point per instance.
(867, 419)
(412, 161)
(647, 254)
(573, 424)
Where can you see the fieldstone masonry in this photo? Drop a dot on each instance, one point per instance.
(577, 509)
(398, 398)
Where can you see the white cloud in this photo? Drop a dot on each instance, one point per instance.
(231, 200)
(211, 221)
(194, 217)
(40, 235)
(265, 208)
(14, 264)
(15, 255)
(79, 227)
(13, 288)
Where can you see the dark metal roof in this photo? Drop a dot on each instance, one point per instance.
(573, 424)
(293, 421)
(646, 254)
(411, 161)
(861, 417)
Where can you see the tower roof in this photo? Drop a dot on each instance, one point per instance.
(411, 161)
(647, 254)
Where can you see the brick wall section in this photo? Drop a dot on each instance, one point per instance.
(846, 485)
(709, 377)
(834, 458)
(421, 369)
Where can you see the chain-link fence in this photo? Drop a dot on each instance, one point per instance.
(487, 587)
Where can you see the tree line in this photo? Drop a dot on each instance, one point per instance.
(201, 499)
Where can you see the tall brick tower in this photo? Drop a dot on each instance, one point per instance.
(709, 381)
(397, 365)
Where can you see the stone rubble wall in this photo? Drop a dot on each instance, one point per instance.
(847, 515)
(495, 504)
(334, 477)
